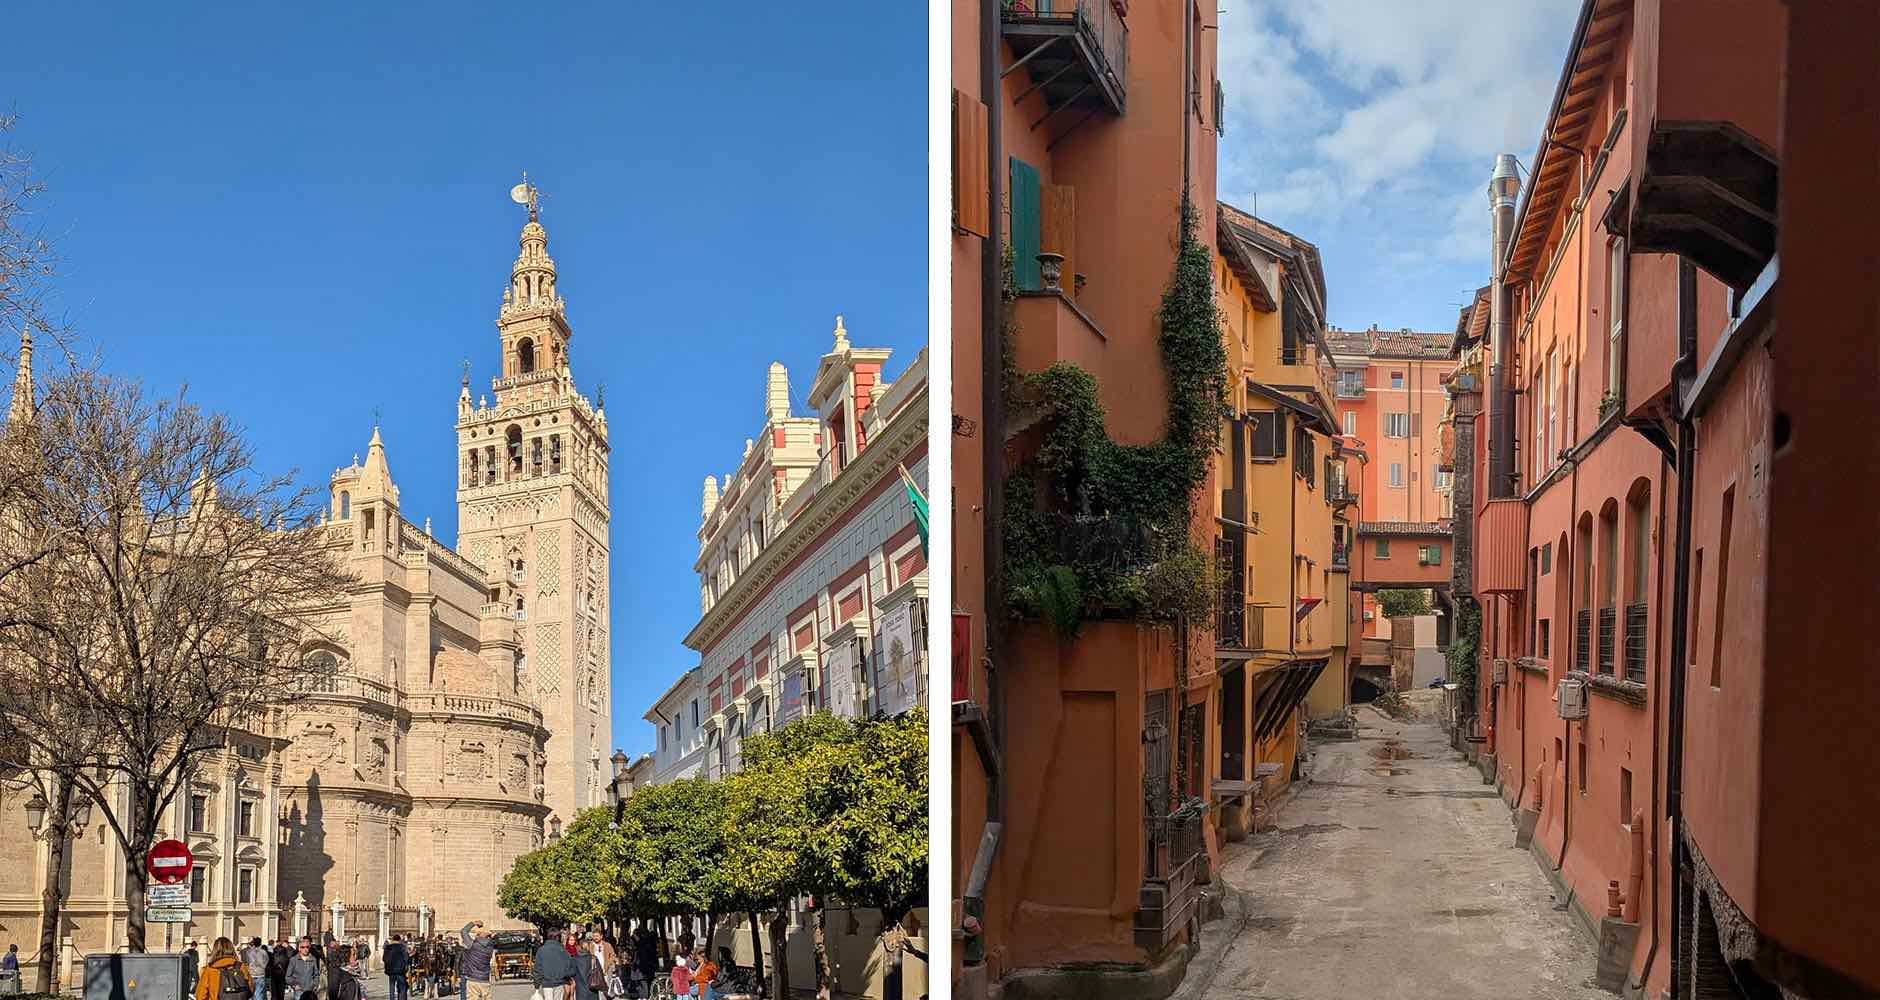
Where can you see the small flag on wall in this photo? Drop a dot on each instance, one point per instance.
(918, 501)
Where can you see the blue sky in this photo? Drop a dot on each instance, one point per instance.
(1369, 127)
(303, 214)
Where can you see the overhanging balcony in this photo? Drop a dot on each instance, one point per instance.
(1501, 547)
(1076, 51)
(1708, 192)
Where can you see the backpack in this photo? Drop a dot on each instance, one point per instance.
(232, 983)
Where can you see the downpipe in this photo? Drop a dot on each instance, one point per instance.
(1680, 615)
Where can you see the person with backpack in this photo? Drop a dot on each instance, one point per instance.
(225, 977)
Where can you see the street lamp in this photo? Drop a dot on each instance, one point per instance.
(77, 817)
(36, 814)
(619, 789)
(554, 829)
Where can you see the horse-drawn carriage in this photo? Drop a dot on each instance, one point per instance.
(515, 955)
(432, 971)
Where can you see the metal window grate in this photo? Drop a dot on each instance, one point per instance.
(1582, 640)
(1608, 625)
(1635, 617)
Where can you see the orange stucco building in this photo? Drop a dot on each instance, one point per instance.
(1665, 662)
(1072, 151)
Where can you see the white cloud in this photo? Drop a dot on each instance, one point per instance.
(1370, 126)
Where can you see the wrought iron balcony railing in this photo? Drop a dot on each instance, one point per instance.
(1077, 51)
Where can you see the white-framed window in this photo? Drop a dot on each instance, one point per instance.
(1396, 425)
(1351, 422)
(1553, 406)
(1396, 380)
(1444, 477)
(1615, 309)
(1396, 473)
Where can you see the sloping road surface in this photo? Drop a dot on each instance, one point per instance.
(1391, 875)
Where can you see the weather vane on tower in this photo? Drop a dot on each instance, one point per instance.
(527, 194)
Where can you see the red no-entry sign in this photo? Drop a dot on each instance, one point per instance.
(169, 861)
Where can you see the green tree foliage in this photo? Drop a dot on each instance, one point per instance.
(674, 848)
(578, 879)
(1402, 603)
(868, 798)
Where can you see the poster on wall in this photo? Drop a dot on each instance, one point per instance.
(898, 686)
(842, 701)
(790, 705)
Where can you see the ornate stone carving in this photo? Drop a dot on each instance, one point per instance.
(547, 560)
(373, 762)
(317, 743)
(469, 762)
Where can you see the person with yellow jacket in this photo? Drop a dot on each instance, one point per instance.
(224, 977)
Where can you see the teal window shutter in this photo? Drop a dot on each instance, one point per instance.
(1026, 226)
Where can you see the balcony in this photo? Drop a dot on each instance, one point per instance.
(1500, 547)
(1077, 52)
(1708, 192)
(1635, 619)
(1051, 329)
(1242, 627)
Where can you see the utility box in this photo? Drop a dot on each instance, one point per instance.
(1570, 703)
(135, 977)
(1499, 671)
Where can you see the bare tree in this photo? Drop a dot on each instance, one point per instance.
(172, 613)
(27, 265)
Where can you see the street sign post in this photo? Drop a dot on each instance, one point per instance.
(169, 861)
(166, 914)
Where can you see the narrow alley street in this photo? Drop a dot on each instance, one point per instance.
(1390, 875)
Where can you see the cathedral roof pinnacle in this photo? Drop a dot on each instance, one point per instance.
(842, 336)
(23, 406)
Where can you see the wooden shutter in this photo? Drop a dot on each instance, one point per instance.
(1026, 230)
(1262, 430)
(1058, 228)
(970, 211)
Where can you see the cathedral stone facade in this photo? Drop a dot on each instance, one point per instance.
(457, 711)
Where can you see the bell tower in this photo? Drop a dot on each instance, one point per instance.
(532, 511)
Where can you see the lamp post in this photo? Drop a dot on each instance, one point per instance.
(620, 789)
(55, 824)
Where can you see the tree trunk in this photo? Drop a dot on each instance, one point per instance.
(757, 955)
(823, 973)
(711, 933)
(140, 826)
(779, 956)
(52, 901)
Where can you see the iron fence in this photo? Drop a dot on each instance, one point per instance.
(1097, 21)
(1582, 640)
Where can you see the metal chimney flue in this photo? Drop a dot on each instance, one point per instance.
(1504, 186)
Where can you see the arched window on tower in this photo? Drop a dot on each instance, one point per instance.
(489, 464)
(535, 457)
(513, 437)
(345, 504)
(554, 454)
(525, 356)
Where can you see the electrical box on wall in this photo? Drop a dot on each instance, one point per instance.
(1571, 698)
(1499, 672)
